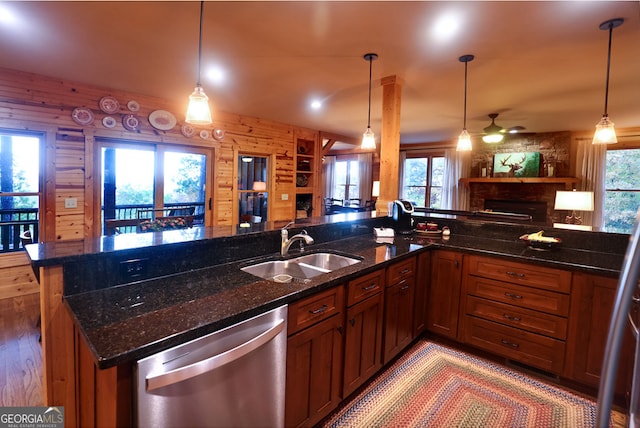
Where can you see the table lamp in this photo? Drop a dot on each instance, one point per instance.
(573, 201)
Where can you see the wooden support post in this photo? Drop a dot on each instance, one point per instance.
(390, 141)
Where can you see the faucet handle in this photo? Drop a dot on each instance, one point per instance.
(288, 224)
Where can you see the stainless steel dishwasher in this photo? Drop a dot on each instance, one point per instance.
(234, 377)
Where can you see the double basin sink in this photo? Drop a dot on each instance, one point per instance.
(302, 267)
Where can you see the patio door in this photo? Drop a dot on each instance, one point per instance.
(146, 181)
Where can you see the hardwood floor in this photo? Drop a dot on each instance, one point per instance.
(20, 352)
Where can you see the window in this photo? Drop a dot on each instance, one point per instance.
(346, 180)
(253, 185)
(19, 188)
(422, 180)
(622, 184)
(148, 181)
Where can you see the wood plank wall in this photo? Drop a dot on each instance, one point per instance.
(40, 103)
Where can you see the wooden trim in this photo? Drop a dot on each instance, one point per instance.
(567, 181)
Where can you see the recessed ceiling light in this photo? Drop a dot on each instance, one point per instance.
(6, 16)
(216, 74)
(446, 27)
(316, 104)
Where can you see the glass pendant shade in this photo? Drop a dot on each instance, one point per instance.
(605, 132)
(198, 112)
(464, 142)
(492, 138)
(368, 139)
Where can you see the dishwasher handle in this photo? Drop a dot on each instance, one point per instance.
(186, 372)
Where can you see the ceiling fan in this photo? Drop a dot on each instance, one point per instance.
(495, 133)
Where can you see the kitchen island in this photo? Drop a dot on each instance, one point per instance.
(100, 315)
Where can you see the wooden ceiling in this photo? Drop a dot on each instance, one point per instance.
(541, 65)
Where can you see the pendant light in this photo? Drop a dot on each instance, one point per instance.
(464, 140)
(369, 138)
(198, 112)
(605, 131)
(493, 133)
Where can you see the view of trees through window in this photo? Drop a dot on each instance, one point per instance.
(346, 180)
(19, 187)
(422, 181)
(130, 179)
(622, 199)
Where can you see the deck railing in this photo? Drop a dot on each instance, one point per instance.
(146, 211)
(13, 223)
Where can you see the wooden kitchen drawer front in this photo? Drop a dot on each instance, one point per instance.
(533, 321)
(316, 308)
(524, 297)
(520, 273)
(401, 271)
(361, 288)
(528, 348)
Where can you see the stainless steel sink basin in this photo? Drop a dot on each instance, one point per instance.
(328, 261)
(302, 267)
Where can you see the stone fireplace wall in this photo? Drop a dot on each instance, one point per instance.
(554, 149)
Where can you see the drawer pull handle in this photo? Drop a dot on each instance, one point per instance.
(405, 271)
(511, 318)
(319, 310)
(635, 300)
(406, 287)
(511, 344)
(516, 274)
(370, 287)
(513, 296)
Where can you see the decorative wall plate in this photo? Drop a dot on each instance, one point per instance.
(108, 122)
(82, 116)
(204, 134)
(131, 122)
(162, 120)
(133, 105)
(218, 134)
(188, 130)
(109, 105)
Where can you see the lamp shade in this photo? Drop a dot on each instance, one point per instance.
(368, 139)
(464, 142)
(375, 189)
(605, 132)
(259, 186)
(574, 201)
(198, 112)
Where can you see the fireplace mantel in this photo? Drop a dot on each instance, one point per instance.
(568, 182)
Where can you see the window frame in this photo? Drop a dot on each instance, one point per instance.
(429, 155)
(631, 144)
(347, 185)
(158, 150)
(43, 137)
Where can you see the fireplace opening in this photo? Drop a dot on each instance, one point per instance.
(537, 210)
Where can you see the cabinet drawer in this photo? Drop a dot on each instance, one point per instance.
(518, 345)
(524, 297)
(316, 308)
(361, 288)
(400, 271)
(533, 321)
(520, 273)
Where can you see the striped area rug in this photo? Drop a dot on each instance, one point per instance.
(435, 386)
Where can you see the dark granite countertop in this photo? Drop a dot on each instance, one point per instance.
(127, 322)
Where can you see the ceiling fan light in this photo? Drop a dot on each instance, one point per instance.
(368, 140)
(492, 138)
(605, 132)
(464, 142)
(198, 111)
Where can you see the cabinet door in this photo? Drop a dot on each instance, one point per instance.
(398, 318)
(444, 293)
(592, 300)
(420, 297)
(314, 361)
(363, 342)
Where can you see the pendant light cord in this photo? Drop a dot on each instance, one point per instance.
(200, 42)
(464, 121)
(606, 87)
(369, 112)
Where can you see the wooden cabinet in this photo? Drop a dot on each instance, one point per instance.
(398, 302)
(363, 330)
(443, 300)
(592, 301)
(420, 297)
(307, 176)
(516, 310)
(314, 357)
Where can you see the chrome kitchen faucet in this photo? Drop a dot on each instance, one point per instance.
(303, 237)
